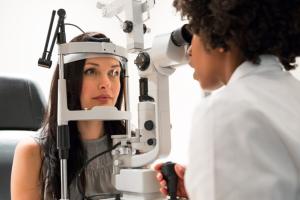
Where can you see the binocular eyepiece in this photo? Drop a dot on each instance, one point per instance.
(182, 36)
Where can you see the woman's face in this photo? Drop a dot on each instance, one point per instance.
(100, 82)
(207, 64)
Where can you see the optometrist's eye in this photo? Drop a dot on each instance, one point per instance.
(90, 72)
(114, 73)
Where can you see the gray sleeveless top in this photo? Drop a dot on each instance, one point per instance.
(98, 172)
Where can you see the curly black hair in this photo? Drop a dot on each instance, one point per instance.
(256, 27)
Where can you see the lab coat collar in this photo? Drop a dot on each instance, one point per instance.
(267, 63)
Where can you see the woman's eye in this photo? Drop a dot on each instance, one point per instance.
(114, 73)
(90, 72)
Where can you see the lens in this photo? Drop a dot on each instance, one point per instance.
(182, 36)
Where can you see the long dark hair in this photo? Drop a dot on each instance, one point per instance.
(77, 156)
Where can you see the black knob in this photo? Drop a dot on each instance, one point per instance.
(127, 26)
(144, 28)
(169, 174)
(142, 61)
(61, 12)
(149, 125)
(151, 142)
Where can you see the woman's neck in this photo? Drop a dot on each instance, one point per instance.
(90, 130)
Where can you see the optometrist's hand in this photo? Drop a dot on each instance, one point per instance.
(180, 170)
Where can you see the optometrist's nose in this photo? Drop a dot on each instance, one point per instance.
(104, 82)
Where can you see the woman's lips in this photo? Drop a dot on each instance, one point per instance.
(103, 98)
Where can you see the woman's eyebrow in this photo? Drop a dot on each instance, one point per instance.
(115, 66)
(96, 64)
(91, 63)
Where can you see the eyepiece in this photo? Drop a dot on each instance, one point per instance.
(182, 36)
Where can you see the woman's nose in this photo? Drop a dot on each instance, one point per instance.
(104, 82)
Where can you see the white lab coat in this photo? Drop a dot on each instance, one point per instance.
(245, 142)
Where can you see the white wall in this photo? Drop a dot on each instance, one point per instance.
(24, 25)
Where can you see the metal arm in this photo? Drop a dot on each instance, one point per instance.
(134, 24)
